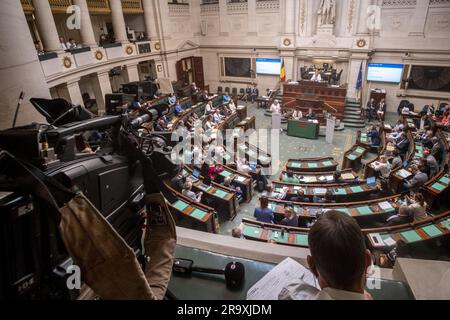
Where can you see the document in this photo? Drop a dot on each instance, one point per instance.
(320, 190)
(390, 242)
(347, 176)
(270, 286)
(385, 205)
(404, 173)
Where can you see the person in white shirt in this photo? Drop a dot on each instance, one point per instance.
(298, 114)
(338, 259)
(242, 166)
(209, 108)
(316, 77)
(275, 107)
(418, 206)
(382, 166)
(62, 42)
(217, 117)
(71, 44)
(209, 124)
(232, 106)
(406, 110)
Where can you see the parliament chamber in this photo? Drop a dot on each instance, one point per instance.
(225, 150)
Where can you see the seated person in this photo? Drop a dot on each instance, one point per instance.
(187, 191)
(394, 135)
(209, 108)
(209, 124)
(431, 162)
(243, 166)
(217, 117)
(160, 125)
(338, 259)
(178, 109)
(232, 106)
(446, 119)
(311, 115)
(204, 96)
(263, 213)
(406, 110)
(382, 167)
(328, 198)
(179, 180)
(427, 110)
(275, 108)
(228, 182)
(436, 149)
(403, 144)
(425, 123)
(397, 161)
(418, 180)
(289, 178)
(271, 193)
(374, 136)
(337, 177)
(172, 99)
(291, 219)
(417, 206)
(300, 196)
(402, 217)
(226, 98)
(297, 115)
(237, 233)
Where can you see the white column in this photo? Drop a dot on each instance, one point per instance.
(73, 88)
(150, 19)
(223, 18)
(20, 69)
(362, 18)
(118, 21)
(419, 19)
(46, 25)
(132, 73)
(252, 27)
(86, 30)
(101, 86)
(289, 22)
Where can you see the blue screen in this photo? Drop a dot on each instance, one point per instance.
(383, 72)
(268, 66)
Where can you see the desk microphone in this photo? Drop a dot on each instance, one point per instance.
(234, 271)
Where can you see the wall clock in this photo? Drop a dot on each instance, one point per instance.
(361, 43)
(98, 55)
(157, 46)
(67, 62)
(287, 42)
(129, 50)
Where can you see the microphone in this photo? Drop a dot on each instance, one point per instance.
(234, 272)
(21, 96)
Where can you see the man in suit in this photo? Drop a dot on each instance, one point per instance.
(436, 150)
(194, 89)
(381, 110)
(311, 115)
(374, 136)
(419, 178)
(402, 144)
(431, 162)
(204, 96)
(248, 93)
(403, 217)
(371, 109)
(255, 93)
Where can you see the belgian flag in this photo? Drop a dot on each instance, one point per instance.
(283, 71)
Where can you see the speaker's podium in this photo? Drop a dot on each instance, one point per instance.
(308, 129)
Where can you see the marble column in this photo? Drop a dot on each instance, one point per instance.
(118, 21)
(223, 19)
(419, 19)
(73, 89)
(252, 27)
(150, 19)
(20, 69)
(289, 21)
(101, 86)
(132, 73)
(363, 17)
(46, 26)
(86, 30)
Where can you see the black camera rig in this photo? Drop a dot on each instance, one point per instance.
(130, 161)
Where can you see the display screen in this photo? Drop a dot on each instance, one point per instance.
(383, 72)
(268, 66)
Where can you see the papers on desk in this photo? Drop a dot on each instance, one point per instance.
(313, 121)
(385, 206)
(404, 173)
(320, 190)
(329, 178)
(308, 179)
(347, 176)
(270, 286)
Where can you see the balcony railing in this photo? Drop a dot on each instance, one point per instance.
(132, 6)
(27, 6)
(235, 7)
(178, 9)
(98, 6)
(59, 6)
(268, 5)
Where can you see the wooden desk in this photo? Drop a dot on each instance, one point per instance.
(339, 193)
(252, 153)
(312, 165)
(244, 181)
(303, 129)
(320, 177)
(352, 158)
(294, 94)
(247, 123)
(242, 112)
(223, 198)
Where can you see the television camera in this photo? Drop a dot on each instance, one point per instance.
(126, 162)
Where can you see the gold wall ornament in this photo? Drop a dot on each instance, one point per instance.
(129, 50)
(98, 55)
(67, 62)
(361, 43)
(287, 42)
(157, 46)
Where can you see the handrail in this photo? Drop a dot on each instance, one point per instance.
(329, 106)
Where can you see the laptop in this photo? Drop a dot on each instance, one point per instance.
(253, 165)
(371, 181)
(196, 174)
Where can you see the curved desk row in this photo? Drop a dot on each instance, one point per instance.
(352, 158)
(347, 175)
(312, 165)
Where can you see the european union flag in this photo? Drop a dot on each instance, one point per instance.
(360, 76)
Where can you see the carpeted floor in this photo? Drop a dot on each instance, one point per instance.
(297, 148)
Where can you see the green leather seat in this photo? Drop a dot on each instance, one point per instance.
(212, 287)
